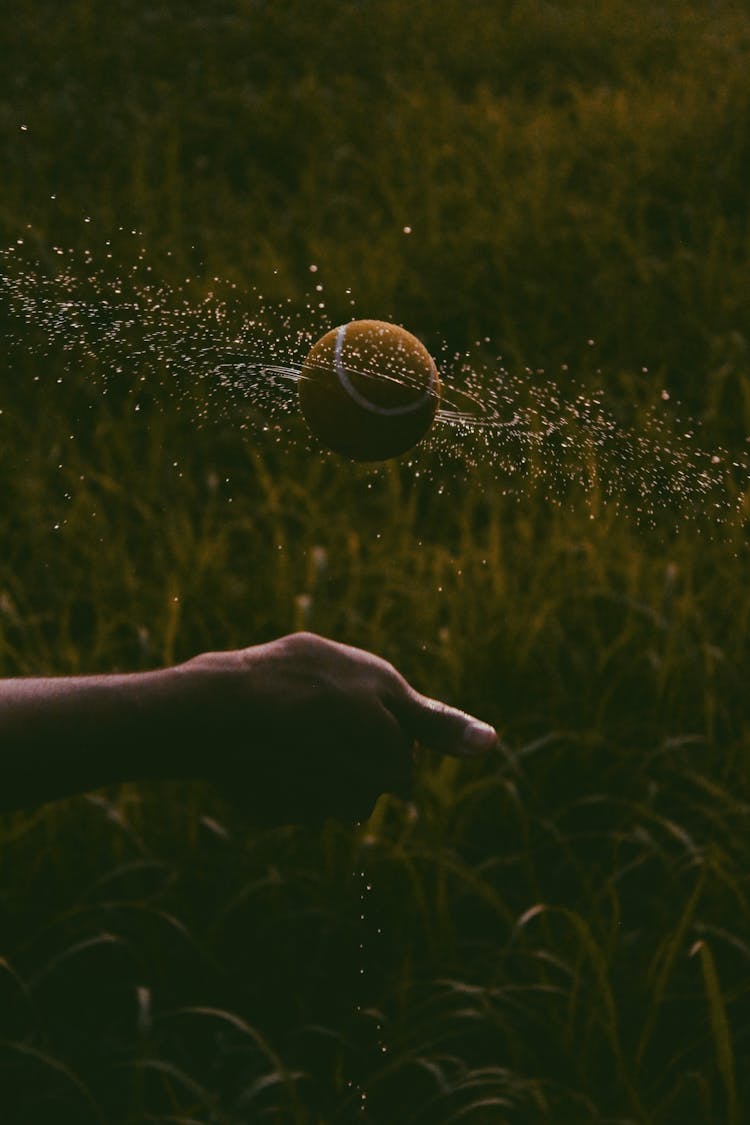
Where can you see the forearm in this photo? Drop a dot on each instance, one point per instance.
(69, 734)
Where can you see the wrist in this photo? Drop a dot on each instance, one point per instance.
(167, 712)
(206, 708)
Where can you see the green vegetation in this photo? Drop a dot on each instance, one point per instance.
(561, 934)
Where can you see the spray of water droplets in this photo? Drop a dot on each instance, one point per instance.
(236, 355)
(575, 444)
(192, 341)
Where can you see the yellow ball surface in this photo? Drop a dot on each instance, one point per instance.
(369, 390)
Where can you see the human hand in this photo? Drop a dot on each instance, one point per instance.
(304, 728)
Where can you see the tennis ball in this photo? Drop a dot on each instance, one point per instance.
(369, 390)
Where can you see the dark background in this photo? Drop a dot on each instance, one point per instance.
(558, 935)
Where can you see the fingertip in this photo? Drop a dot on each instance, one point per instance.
(478, 738)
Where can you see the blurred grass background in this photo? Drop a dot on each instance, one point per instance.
(563, 934)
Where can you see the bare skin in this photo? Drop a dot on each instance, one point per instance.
(296, 730)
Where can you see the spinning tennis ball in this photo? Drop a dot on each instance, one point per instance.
(369, 390)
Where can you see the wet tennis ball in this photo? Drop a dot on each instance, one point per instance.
(369, 390)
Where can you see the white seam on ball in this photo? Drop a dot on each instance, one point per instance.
(359, 398)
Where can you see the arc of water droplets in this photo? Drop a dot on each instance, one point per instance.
(512, 427)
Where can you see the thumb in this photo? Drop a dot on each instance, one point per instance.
(444, 728)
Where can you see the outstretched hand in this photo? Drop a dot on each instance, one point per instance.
(304, 728)
(296, 730)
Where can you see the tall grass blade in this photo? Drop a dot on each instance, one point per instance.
(57, 1066)
(662, 965)
(720, 1030)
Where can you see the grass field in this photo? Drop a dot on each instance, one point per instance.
(559, 935)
